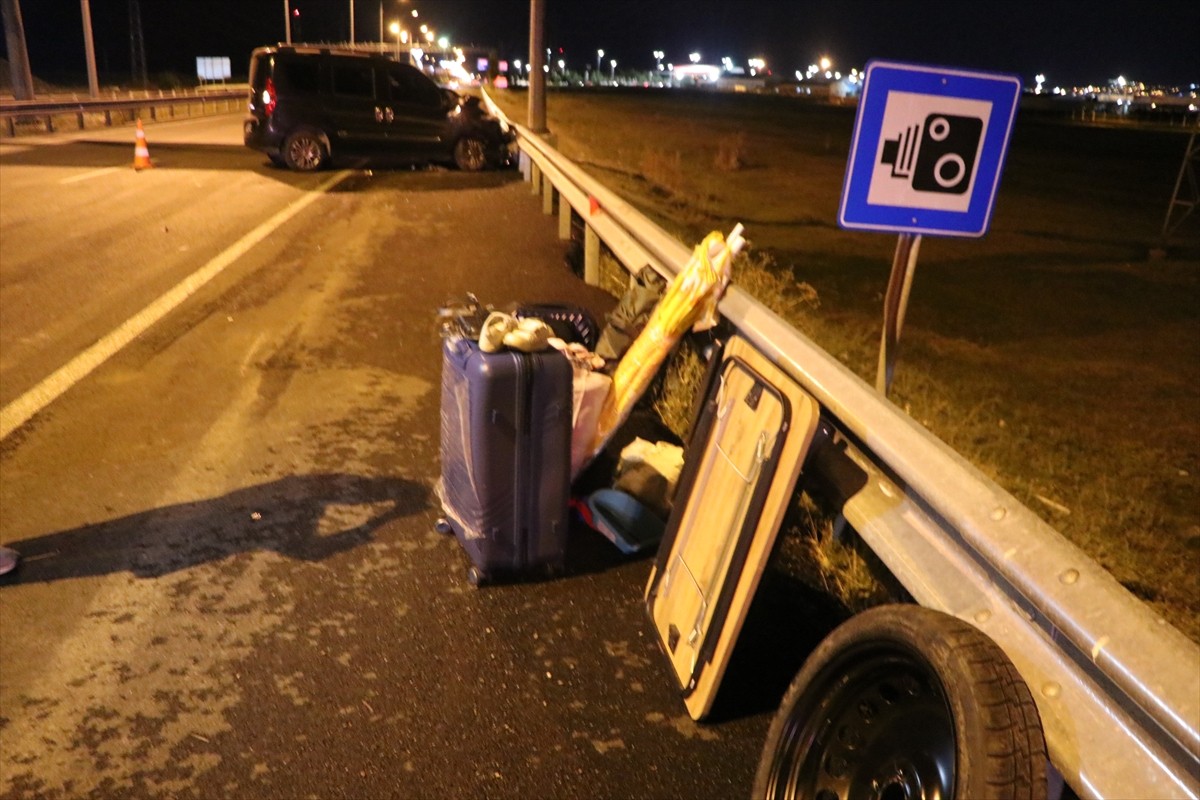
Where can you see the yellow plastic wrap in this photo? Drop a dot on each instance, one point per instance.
(690, 300)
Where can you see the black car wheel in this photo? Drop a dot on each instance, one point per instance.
(470, 153)
(304, 151)
(905, 702)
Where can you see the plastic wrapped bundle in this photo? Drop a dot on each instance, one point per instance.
(690, 301)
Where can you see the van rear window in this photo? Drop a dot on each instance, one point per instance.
(302, 75)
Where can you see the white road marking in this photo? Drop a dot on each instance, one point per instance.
(19, 411)
(96, 173)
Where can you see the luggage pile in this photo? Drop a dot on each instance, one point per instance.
(530, 396)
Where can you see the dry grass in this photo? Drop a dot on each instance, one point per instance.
(731, 153)
(664, 171)
(1051, 353)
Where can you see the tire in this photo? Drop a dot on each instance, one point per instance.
(471, 153)
(905, 702)
(304, 151)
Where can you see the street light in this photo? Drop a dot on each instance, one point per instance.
(397, 32)
(658, 57)
(612, 76)
(599, 55)
(694, 58)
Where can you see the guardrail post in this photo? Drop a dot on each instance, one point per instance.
(547, 195)
(525, 164)
(564, 218)
(591, 256)
(535, 177)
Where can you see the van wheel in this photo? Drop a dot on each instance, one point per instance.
(470, 154)
(304, 151)
(905, 702)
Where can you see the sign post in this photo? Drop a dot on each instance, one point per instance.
(928, 149)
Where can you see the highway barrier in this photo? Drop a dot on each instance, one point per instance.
(22, 117)
(1117, 687)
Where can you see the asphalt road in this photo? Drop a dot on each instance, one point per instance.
(232, 586)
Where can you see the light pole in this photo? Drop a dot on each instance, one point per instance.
(599, 55)
(287, 21)
(612, 76)
(658, 57)
(537, 78)
(89, 48)
(396, 31)
(351, 21)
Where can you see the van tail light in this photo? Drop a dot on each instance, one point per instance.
(268, 97)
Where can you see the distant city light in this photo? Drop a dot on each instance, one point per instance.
(694, 58)
(825, 63)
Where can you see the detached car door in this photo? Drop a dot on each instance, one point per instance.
(359, 122)
(419, 127)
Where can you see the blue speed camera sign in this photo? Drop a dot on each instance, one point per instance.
(928, 149)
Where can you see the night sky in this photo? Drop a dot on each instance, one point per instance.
(1074, 42)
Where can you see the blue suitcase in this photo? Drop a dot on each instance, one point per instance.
(506, 452)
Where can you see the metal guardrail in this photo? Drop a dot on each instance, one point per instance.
(1117, 687)
(48, 116)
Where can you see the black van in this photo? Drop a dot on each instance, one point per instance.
(309, 104)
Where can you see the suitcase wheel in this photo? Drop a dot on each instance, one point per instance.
(475, 577)
(443, 526)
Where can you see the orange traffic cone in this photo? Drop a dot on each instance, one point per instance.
(141, 154)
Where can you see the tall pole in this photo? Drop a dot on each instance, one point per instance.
(137, 45)
(287, 21)
(537, 64)
(351, 21)
(89, 49)
(18, 55)
(381, 39)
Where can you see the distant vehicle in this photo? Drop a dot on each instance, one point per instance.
(309, 105)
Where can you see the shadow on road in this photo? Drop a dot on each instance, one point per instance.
(308, 518)
(98, 154)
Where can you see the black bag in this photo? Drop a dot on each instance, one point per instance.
(569, 323)
(626, 321)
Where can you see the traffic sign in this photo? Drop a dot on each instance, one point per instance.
(929, 146)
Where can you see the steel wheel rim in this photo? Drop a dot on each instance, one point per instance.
(876, 725)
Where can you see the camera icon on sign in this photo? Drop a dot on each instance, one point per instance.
(938, 155)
